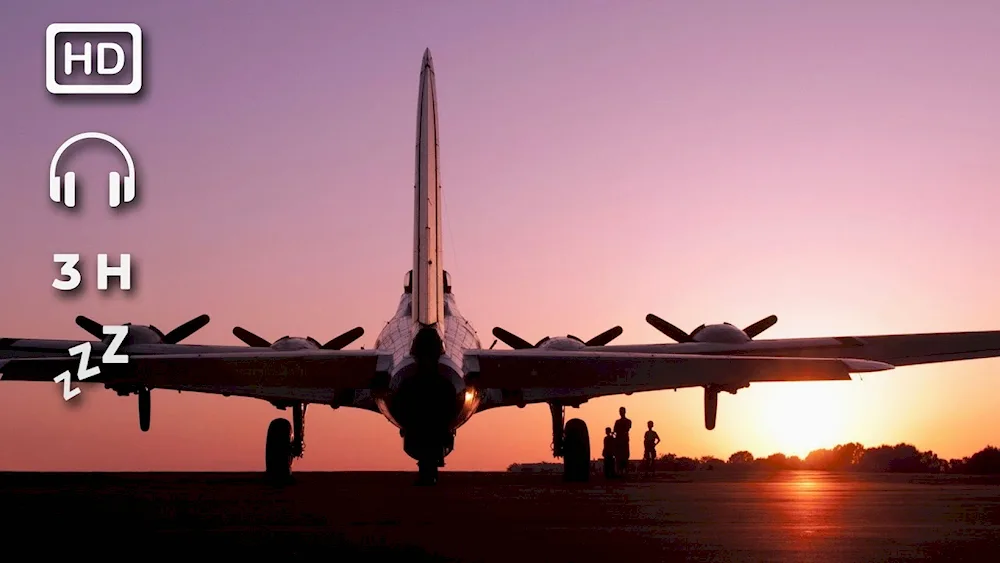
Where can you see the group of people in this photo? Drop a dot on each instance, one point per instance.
(617, 450)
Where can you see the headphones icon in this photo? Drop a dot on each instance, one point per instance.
(119, 189)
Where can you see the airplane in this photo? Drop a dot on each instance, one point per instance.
(428, 374)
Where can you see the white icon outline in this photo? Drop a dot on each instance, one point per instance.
(53, 86)
(119, 189)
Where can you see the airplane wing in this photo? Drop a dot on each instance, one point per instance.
(45, 348)
(895, 349)
(529, 376)
(35, 347)
(316, 376)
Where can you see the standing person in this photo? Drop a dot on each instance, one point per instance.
(609, 454)
(649, 442)
(622, 452)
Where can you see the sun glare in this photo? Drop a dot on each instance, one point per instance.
(801, 418)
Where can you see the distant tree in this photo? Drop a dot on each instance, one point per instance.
(795, 462)
(711, 463)
(686, 464)
(931, 463)
(958, 465)
(846, 456)
(901, 458)
(773, 461)
(819, 459)
(984, 462)
(741, 457)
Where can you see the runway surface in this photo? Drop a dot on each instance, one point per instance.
(699, 516)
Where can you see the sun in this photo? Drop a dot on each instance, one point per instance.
(800, 418)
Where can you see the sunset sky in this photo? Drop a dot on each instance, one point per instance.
(835, 165)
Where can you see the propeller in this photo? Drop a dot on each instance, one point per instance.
(760, 326)
(668, 329)
(518, 343)
(680, 336)
(335, 343)
(183, 331)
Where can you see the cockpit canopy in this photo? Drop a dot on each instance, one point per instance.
(408, 282)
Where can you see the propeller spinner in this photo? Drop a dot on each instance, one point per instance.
(335, 343)
(176, 335)
(680, 336)
(518, 343)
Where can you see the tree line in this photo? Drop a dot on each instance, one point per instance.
(901, 458)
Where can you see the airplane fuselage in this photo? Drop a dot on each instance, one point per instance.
(426, 396)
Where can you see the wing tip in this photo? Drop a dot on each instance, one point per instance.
(865, 366)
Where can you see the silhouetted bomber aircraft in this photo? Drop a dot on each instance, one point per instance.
(428, 373)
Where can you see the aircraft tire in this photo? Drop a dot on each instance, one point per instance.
(576, 452)
(278, 451)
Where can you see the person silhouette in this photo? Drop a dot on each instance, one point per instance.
(622, 451)
(609, 454)
(649, 442)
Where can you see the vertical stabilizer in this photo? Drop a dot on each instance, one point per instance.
(428, 276)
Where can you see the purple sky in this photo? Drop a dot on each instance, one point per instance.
(835, 165)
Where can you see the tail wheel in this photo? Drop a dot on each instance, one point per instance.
(576, 451)
(427, 473)
(278, 454)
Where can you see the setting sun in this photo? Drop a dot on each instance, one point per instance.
(798, 420)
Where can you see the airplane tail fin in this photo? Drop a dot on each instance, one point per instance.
(428, 275)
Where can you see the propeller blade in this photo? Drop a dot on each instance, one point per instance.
(668, 329)
(186, 329)
(605, 337)
(249, 338)
(93, 327)
(510, 339)
(494, 343)
(760, 326)
(344, 339)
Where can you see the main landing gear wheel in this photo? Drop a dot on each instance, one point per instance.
(279, 450)
(576, 452)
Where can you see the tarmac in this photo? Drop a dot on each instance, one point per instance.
(697, 516)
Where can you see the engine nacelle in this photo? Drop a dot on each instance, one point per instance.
(292, 343)
(723, 333)
(138, 334)
(712, 401)
(562, 343)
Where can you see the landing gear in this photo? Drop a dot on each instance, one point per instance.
(427, 473)
(572, 443)
(429, 449)
(711, 405)
(285, 442)
(558, 413)
(576, 452)
(142, 392)
(144, 406)
(712, 400)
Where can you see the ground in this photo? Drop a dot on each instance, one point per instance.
(704, 516)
